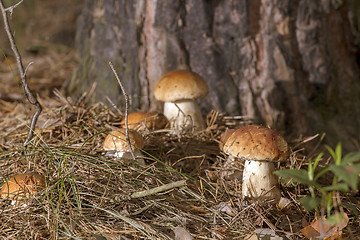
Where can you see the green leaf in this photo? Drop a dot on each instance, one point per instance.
(351, 158)
(334, 219)
(298, 175)
(321, 172)
(331, 151)
(348, 174)
(310, 203)
(338, 153)
(317, 159)
(337, 187)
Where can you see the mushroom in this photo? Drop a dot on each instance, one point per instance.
(179, 89)
(116, 145)
(259, 147)
(224, 137)
(139, 120)
(230, 168)
(22, 186)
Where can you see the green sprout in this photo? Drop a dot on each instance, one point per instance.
(345, 176)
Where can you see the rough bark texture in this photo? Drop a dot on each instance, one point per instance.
(290, 65)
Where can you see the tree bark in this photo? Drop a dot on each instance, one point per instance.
(290, 65)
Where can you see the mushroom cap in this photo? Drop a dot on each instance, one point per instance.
(224, 137)
(255, 142)
(116, 140)
(180, 85)
(151, 120)
(22, 185)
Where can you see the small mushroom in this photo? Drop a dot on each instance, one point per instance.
(22, 186)
(140, 120)
(179, 89)
(116, 145)
(259, 147)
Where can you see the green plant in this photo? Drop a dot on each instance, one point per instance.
(345, 176)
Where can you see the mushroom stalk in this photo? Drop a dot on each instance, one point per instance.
(127, 154)
(184, 115)
(259, 181)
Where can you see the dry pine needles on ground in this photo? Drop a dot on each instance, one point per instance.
(91, 196)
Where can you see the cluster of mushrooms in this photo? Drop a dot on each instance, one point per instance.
(257, 146)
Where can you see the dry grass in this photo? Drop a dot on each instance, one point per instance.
(88, 194)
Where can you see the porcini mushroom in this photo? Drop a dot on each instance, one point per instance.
(115, 143)
(179, 89)
(259, 147)
(230, 168)
(22, 186)
(224, 137)
(150, 120)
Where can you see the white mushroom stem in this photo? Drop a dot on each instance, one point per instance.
(259, 182)
(184, 115)
(127, 155)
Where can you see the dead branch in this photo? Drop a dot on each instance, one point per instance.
(33, 100)
(126, 109)
(158, 189)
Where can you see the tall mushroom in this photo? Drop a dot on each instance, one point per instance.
(259, 147)
(179, 89)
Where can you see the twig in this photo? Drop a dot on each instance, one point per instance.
(122, 197)
(33, 100)
(11, 9)
(126, 109)
(158, 189)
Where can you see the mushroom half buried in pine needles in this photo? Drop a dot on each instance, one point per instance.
(140, 120)
(259, 147)
(115, 144)
(22, 187)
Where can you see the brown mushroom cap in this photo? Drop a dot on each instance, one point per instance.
(255, 142)
(224, 137)
(116, 140)
(179, 85)
(151, 120)
(22, 185)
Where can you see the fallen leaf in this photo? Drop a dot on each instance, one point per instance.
(320, 228)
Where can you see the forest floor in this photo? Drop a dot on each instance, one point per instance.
(88, 194)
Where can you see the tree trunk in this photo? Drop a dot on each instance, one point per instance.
(287, 64)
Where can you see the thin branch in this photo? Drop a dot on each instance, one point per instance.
(33, 100)
(156, 190)
(149, 192)
(11, 9)
(126, 109)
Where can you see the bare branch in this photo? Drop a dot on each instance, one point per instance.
(11, 9)
(149, 192)
(156, 190)
(126, 109)
(33, 100)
